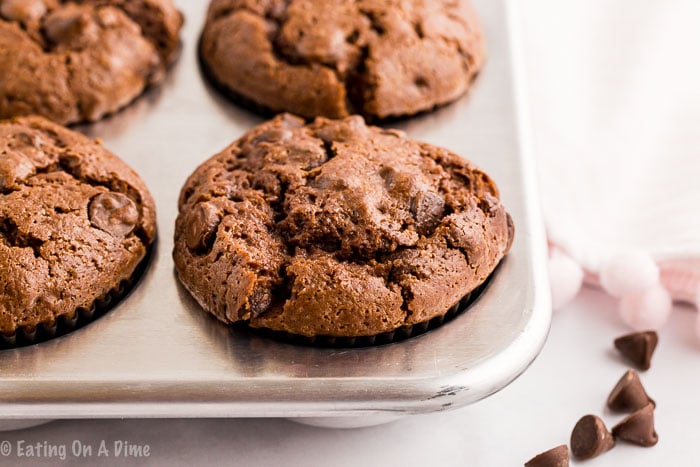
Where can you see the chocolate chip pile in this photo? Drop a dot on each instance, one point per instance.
(590, 437)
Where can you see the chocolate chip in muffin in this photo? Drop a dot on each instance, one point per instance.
(590, 438)
(201, 227)
(628, 394)
(638, 347)
(82, 60)
(23, 11)
(336, 229)
(555, 457)
(638, 428)
(345, 57)
(114, 213)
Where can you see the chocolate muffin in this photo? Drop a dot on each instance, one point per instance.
(336, 228)
(75, 61)
(334, 58)
(75, 224)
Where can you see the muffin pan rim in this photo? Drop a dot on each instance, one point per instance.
(157, 355)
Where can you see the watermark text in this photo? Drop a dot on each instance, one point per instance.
(120, 448)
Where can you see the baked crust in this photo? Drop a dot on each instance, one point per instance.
(75, 222)
(81, 60)
(334, 58)
(336, 228)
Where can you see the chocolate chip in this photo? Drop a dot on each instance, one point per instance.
(590, 438)
(107, 17)
(25, 11)
(68, 24)
(275, 135)
(638, 347)
(13, 167)
(113, 213)
(428, 208)
(638, 428)
(628, 394)
(555, 457)
(395, 133)
(25, 139)
(202, 223)
(344, 130)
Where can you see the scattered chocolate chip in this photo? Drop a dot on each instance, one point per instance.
(590, 438)
(201, 227)
(628, 394)
(114, 213)
(638, 347)
(638, 428)
(555, 457)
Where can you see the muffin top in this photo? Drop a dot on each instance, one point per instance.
(75, 221)
(74, 61)
(335, 58)
(336, 228)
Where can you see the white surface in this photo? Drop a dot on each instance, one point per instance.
(572, 377)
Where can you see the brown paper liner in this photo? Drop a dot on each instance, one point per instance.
(400, 334)
(64, 324)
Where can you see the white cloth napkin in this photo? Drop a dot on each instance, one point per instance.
(614, 89)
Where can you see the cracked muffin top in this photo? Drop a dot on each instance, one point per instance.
(334, 58)
(336, 228)
(80, 60)
(75, 221)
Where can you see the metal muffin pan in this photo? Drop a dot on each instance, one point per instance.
(158, 355)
